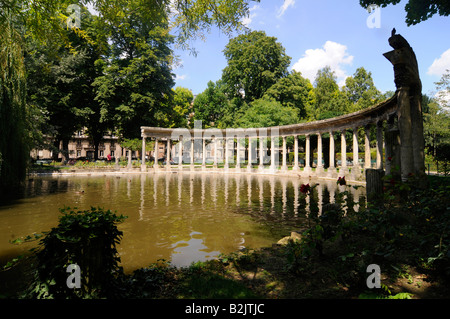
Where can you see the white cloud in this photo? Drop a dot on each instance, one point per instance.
(284, 7)
(252, 14)
(180, 77)
(440, 65)
(332, 54)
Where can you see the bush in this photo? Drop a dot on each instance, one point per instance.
(85, 238)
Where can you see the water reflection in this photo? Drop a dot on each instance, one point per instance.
(178, 217)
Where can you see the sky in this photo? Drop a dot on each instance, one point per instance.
(340, 34)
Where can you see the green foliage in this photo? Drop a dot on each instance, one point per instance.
(194, 18)
(211, 105)
(86, 238)
(292, 91)
(329, 100)
(361, 91)
(255, 62)
(266, 113)
(436, 124)
(182, 104)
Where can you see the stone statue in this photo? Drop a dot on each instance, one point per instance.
(406, 70)
(409, 108)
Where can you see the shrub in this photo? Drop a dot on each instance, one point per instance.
(85, 238)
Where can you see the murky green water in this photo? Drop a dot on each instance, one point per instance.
(182, 218)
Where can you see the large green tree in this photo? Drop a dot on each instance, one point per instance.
(255, 62)
(361, 91)
(329, 101)
(13, 107)
(267, 112)
(437, 120)
(211, 105)
(293, 91)
(136, 85)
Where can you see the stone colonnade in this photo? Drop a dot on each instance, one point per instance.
(232, 148)
(243, 147)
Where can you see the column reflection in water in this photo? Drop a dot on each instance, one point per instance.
(155, 189)
(238, 187)
(272, 194)
(249, 190)
(191, 188)
(296, 186)
(141, 208)
(261, 193)
(180, 181)
(203, 180)
(284, 187)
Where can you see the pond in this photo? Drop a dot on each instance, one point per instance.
(181, 218)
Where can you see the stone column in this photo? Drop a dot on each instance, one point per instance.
(238, 154)
(367, 157)
(272, 154)
(249, 163)
(180, 153)
(130, 165)
(155, 164)
(168, 157)
(319, 168)
(261, 153)
(356, 170)
(405, 127)
(332, 167)
(203, 153)
(143, 166)
(227, 155)
(307, 168)
(192, 154)
(380, 145)
(284, 167)
(215, 153)
(295, 168)
(343, 170)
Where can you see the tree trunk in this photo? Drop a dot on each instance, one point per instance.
(65, 150)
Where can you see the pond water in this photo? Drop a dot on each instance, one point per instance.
(181, 218)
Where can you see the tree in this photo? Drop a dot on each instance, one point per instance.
(329, 100)
(60, 82)
(136, 86)
(292, 91)
(182, 104)
(265, 113)
(416, 10)
(361, 91)
(211, 105)
(255, 62)
(437, 120)
(14, 151)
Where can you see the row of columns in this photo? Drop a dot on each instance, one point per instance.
(356, 169)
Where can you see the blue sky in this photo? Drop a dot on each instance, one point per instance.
(328, 32)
